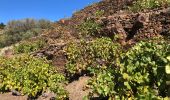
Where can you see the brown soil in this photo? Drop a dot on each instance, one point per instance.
(76, 88)
(9, 96)
(76, 91)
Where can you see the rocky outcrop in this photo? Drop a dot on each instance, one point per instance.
(137, 26)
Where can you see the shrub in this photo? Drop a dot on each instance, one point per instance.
(140, 75)
(168, 65)
(145, 64)
(29, 75)
(2, 25)
(99, 13)
(101, 51)
(10, 38)
(89, 28)
(44, 24)
(24, 25)
(148, 4)
(105, 85)
(18, 30)
(27, 47)
(15, 26)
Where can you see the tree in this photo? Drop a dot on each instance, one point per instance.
(2, 25)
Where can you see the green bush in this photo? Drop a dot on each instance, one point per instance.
(140, 74)
(2, 25)
(27, 47)
(12, 38)
(89, 28)
(29, 75)
(18, 30)
(168, 65)
(103, 84)
(101, 51)
(99, 13)
(148, 4)
(44, 24)
(24, 25)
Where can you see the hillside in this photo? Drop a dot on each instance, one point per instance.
(110, 50)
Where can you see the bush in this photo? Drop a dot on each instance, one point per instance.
(140, 74)
(24, 25)
(29, 75)
(10, 38)
(101, 51)
(168, 65)
(89, 28)
(18, 30)
(2, 25)
(27, 47)
(99, 13)
(44, 24)
(15, 26)
(148, 4)
(105, 85)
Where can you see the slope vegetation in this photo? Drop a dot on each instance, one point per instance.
(111, 50)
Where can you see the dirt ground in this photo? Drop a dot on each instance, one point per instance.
(9, 96)
(76, 88)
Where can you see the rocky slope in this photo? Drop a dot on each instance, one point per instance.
(115, 20)
(131, 27)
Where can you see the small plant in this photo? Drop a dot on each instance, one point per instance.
(105, 85)
(101, 51)
(99, 13)
(140, 75)
(29, 75)
(18, 30)
(168, 66)
(148, 4)
(167, 70)
(144, 65)
(27, 47)
(89, 28)
(2, 25)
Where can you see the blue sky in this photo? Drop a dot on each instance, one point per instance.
(48, 9)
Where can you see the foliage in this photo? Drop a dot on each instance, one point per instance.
(44, 24)
(99, 13)
(18, 30)
(167, 70)
(2, 25)
(148, 4)
(89, 27)
(29, 75)
(105, 84)
(168, 65)
(145, 64)
(24, 25)
(101, 51)
(27, 47)
(8, 38)
(140, 75)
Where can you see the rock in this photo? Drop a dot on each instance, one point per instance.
(52, 98)
(16, 93)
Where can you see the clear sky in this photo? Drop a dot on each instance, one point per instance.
(48, 9)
